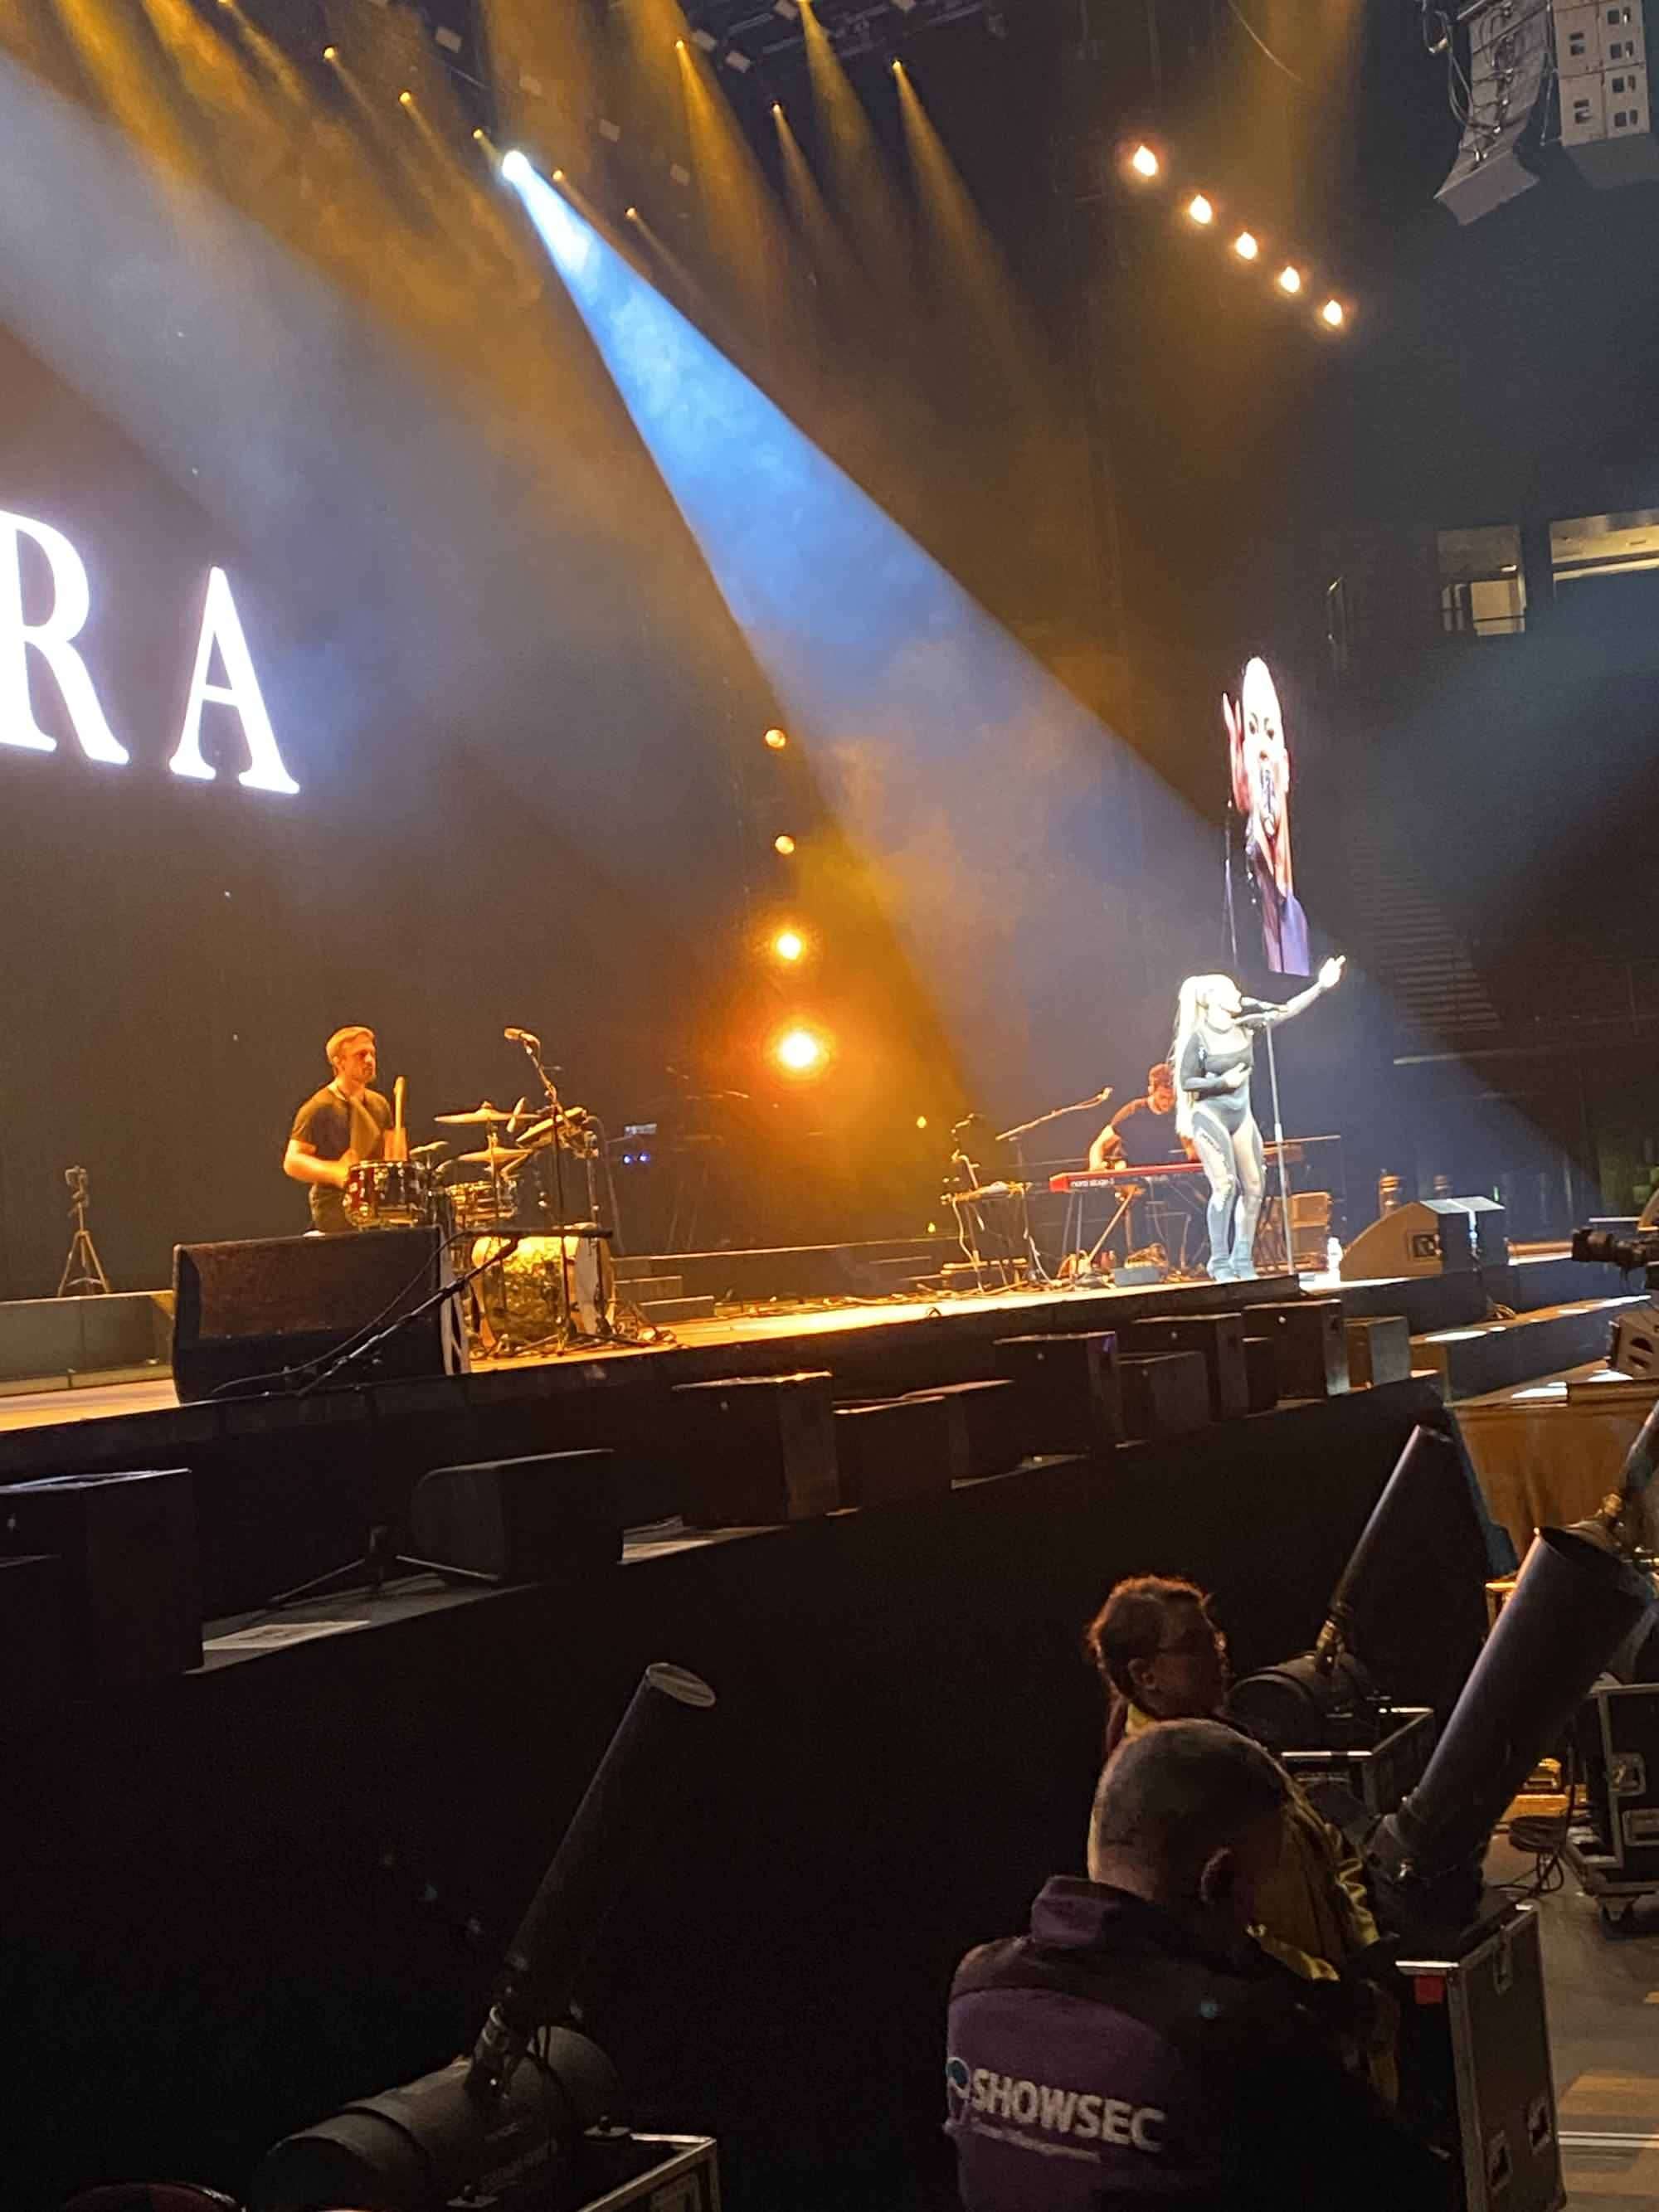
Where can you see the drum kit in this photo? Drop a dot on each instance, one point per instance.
(539, 1282)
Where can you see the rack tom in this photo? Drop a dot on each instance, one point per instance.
(388, 1194)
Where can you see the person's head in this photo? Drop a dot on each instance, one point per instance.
(1266, 759)
(351, 1054)
(1203, 1002)
(1160, 1088)
(1189, 1816)
(1156, 1645)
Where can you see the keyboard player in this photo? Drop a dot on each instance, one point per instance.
(1142, 1132)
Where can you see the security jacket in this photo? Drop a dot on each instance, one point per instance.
(1110, 2059)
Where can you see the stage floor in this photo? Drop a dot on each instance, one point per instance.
(67, 1402)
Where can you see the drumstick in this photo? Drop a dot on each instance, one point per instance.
(396, 1146)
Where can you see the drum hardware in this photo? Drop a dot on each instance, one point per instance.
(83, 1272)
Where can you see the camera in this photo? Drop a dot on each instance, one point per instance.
(1605, 1247)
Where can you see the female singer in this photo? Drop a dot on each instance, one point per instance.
(1212, 1055)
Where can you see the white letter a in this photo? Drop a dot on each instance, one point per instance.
(221, 626)
(52, 639)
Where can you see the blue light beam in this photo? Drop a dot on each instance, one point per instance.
(1035, 866)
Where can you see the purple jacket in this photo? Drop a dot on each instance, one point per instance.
(1109, 2060)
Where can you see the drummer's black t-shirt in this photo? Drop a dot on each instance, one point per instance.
(333, 1127)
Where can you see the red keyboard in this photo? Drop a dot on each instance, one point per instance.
(1114, 1178)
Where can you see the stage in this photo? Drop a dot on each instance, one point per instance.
(326, 1830)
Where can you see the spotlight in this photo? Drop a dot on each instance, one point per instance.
(1199, 210)
(777, 107)
(679, 45)
(515, 170)
(1331, 314)
(800, 1051)
(1289, 279)
(775, 739)
(1144, 162)
(478, 136)
(784, 843)
(1245, 247)
(789, 944)
(558, 176)
(330, 53)
(922, 1120)
(405, 100)
(630, 215)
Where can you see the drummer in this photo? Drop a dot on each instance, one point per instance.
(344, 1122)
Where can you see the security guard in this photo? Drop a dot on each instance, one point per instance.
(1137, 2048)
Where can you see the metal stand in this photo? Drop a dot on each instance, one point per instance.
(1013, 1137)
(1278, 1140)
(83, 1272)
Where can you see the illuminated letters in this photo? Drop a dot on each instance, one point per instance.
(52, 639)
(221, 626)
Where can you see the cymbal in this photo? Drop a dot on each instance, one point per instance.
(475, 1116)
(497, 1155)
(531, 1138)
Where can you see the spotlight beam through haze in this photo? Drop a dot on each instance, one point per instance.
(1034, 865)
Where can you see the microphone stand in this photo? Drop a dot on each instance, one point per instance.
(1024, 1129)
(1278, 1140)
(532, 1047)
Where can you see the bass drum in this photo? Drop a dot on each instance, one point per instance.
(387, 1194)
(518, 1299)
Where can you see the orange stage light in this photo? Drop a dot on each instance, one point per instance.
(800, 1051)
(784, 844)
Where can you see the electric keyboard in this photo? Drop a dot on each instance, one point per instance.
(1114, 1178)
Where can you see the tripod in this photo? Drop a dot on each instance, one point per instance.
(83, 1272)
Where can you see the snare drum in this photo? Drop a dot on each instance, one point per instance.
(387, 1194)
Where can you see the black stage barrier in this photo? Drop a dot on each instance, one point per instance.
(238, 1899)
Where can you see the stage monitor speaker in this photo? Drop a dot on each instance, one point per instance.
(1429, 1236)
(535, 1519)
(270, 1304)
(125, 1545)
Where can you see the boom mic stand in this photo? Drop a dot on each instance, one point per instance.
(1024, 1129)
(532, 1046)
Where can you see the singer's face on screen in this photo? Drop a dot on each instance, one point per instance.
(1267, 760)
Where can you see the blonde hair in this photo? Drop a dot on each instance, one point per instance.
(1194, 995)
(341, 1038)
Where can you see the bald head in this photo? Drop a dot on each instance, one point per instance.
(1187, 1812)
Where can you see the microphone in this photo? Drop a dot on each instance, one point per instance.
(523, 1037)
